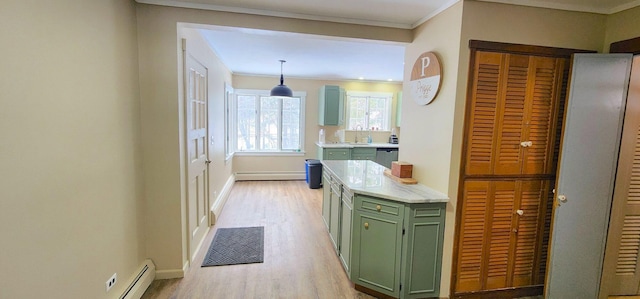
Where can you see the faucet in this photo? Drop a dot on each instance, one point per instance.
(356, 138)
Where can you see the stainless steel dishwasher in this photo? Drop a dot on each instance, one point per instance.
(384, 156)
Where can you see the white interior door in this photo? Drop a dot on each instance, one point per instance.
(196, 131)
(588, 159)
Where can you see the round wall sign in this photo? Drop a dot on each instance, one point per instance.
(425, 78)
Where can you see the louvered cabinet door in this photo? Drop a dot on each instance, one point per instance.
(529, 233)
(511, 129)
(499, 235)
(541, 121)
(503, 231)
(471, 242)
(621, 274)
(483, 113)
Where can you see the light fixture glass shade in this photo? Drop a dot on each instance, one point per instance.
(281, 90)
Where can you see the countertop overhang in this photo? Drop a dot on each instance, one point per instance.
(352, 145)
(367, 178)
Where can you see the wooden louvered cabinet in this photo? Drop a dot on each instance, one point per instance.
(621, 272)
(509, 253)
(513, 114)
(513, 130)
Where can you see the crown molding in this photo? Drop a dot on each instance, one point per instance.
(271, 13)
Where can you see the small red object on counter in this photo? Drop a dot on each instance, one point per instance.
(401, 169)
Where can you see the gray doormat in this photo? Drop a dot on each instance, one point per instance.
(238, 245)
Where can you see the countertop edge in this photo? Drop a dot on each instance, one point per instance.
(440, 197)
(354, 145)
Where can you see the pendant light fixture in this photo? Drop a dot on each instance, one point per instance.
(281, 90)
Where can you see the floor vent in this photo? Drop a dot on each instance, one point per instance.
(141, 282)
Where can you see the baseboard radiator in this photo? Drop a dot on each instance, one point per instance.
(140, 282)
(270, 175)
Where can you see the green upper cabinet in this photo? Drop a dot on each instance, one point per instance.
(399, 109)
(331, 106)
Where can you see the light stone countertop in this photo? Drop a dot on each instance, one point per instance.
(367, 178)
(352, 145)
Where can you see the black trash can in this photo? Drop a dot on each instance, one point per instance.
(313, 173)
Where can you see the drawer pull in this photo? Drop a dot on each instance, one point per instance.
(366, 225)
(378, 207)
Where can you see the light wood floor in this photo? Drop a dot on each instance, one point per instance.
(299, 260)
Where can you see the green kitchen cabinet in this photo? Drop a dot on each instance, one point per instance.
(346, 221)
(331, 106)
(326, 198)
(422, 252)
(363, 153)
(334, 217)
(377, 244)
(397, 247)
(334, 153)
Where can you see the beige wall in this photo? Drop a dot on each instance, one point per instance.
(289, 164)
(161, 110)
(621, 26)
(71, 207)
(434, 132)
(427, 131)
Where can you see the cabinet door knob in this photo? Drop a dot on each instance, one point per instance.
(520, 212)
(526, 143)
(366, 225)
(378, 207)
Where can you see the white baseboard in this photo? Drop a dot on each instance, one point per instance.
(270, 175)
(141, 281)
(218, 205)
(169, 274)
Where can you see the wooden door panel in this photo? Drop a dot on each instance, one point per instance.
(532, 205)
(498, 247)
(471, 237)
(484, 113)
(541, 122)
(500, 205)
(512, 115)
(622, 256)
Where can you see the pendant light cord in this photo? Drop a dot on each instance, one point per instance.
(281, 74)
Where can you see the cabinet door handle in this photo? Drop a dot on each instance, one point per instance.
(366, 225)
(378, 207)
(526, 143)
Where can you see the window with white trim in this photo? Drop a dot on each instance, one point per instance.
(369, 110)
(269, 124)
(229, 117)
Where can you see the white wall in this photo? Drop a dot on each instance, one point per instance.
(71, 200)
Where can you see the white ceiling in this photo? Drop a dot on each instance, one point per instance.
(256, 52)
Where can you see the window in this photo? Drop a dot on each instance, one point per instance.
(269, 124)
(228, 121)
(369, 111)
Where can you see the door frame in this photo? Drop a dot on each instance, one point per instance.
(490, 46)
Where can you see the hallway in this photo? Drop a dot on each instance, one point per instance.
(299, 261)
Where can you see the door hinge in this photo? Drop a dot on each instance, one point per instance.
(400, 287)
(403, 231)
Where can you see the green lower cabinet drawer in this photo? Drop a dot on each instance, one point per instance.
(336, 154)
(377, 244)
(363, 153)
